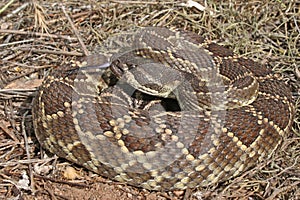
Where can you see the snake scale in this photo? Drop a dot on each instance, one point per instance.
(174, 111)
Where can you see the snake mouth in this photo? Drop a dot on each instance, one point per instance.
(153, 102)
(116, 69)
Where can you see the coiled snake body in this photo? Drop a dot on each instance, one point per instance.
(173, 112)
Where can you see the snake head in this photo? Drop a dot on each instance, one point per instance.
(118, 69)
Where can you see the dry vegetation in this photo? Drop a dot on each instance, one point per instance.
(39, 35)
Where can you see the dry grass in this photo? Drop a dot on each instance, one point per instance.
(36, 36)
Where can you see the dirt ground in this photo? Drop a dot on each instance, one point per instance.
(37, 36)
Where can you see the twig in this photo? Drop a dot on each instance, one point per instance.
(17, 10)
(16, 93)
(11, 54)
(283, 189)
(17, 42)
(6, 6)
(45, 51)
(86, 52)
(62, 181)
(34, 67)
(27, 151)
(9, 112)
(22, 75)
(143, 2)
(14, 163)
(51, 193)
(66, 37)
(8, 132)
(39, 17)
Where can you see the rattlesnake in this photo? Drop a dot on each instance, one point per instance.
(173, 111)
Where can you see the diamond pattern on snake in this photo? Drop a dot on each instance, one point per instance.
(168, 110)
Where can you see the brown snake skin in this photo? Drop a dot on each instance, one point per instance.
(172, 112)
